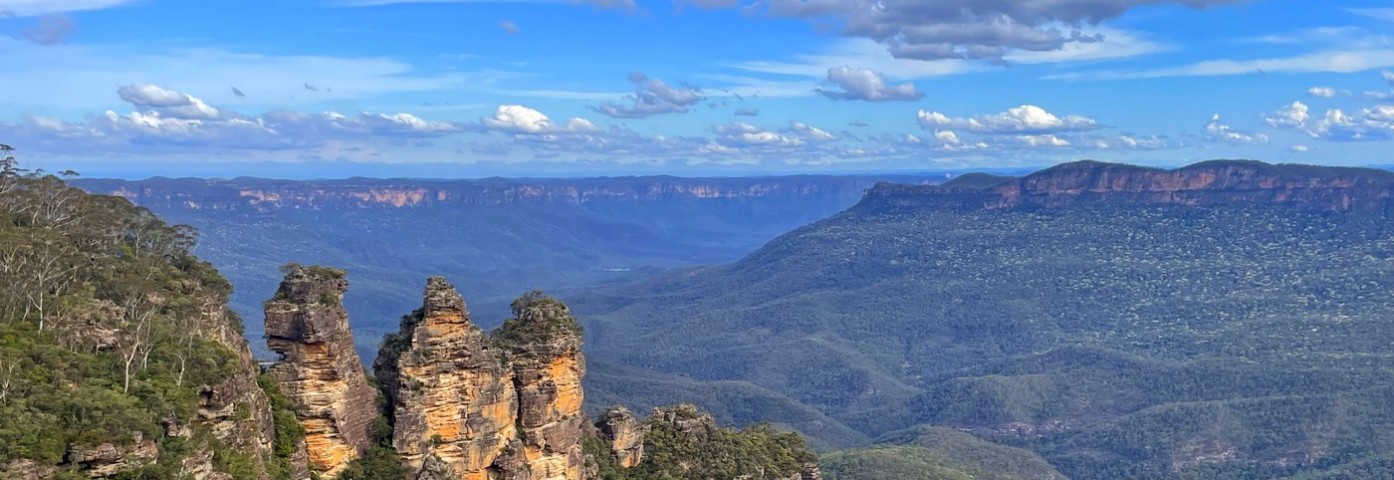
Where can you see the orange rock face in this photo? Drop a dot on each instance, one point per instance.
(453, 399)
(319, 369)
(1208, 183)
(474, 407)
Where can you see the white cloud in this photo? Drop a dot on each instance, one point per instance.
(1292, 116)
(1346, 61)
(652, 97)
(1386, 14)
(168, 103)
(863, 53)
(1322, 92)
(1222, 132)
(1388, 76)
(1299, 148)
(1374, 123)
(28, 8)
(866, 84)
(1114, 44)
(521, 119)
(811, 133)
(167, 121)
(1025, 119)
(80, 77)
(1042, 141)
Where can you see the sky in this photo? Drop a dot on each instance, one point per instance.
(473, 88)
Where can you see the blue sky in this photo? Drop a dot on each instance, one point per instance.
(695, 87)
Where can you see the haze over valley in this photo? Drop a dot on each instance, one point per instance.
(696, 240)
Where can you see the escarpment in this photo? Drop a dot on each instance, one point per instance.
(453, 403)
(319, 370)
(1219, 182)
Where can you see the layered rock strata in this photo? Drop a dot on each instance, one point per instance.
(319, 370)
(624, 434)
(543, 343)
(454, 406)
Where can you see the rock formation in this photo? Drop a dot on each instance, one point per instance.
(454, 405)
(319, 369)
(624, 434)
(543, 343)
(1220, 182)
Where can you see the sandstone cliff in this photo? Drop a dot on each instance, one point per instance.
(624, 434)
(1220, 182)
(543, 343)
(319, 369)
(453, 402)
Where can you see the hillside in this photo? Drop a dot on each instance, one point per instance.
(1222, 320)
(498, 236)
(120, 359)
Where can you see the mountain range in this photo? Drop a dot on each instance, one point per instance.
(1227, 319)
(496, 236)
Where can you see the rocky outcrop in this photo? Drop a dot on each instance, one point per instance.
(543, 343)
(1220, 182)
(319, 369)
(624, 434)
(454, 406)
(249, 429)
(106, 460)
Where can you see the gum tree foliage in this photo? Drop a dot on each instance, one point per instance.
(109, 326)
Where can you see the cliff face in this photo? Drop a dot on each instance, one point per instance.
(625, 436)
(250, 194)
(453, 401)
(319, 370)
(1208, 183)
(544, 343)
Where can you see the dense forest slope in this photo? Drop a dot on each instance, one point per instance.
(120, 359)
(118, 354)
(496, 236)
(1228, 319)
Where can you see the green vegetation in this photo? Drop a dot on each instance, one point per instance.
(109, 327)
(289, 432)
(381, 460)
(1114, 341)
(537, 319)
(887, 463)
(688, 445)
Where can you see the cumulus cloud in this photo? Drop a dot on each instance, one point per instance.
(957, 29)
(1222, 132)
(1374, 123)
(1291, 116)
(1025, 119)
(866, 84)
(1042, 141)
(521, 119)
(1322, 92)
(167, 103)
(168, 118)
(811, 133)
(652, 97)
(745, 134)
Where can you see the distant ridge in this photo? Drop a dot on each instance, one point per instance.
(1308, 187)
